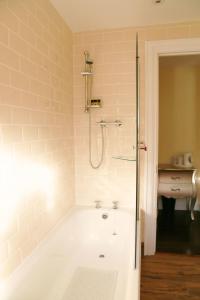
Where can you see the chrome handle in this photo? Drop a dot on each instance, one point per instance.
(175, 190)
(142, 146)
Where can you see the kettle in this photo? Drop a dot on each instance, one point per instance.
(183, 160)
(187, 160)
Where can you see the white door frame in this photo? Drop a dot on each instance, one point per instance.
(154, 49)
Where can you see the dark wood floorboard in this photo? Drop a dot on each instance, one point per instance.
(169, 276)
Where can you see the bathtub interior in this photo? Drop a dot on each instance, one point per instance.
(86, 244)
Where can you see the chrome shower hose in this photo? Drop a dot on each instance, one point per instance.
(95, 166)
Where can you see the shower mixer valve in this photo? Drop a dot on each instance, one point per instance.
(95, 103)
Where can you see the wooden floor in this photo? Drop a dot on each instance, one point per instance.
(168, 276)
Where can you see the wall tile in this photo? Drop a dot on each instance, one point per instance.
(3, 34)
(3, 251)
(19, 45)
(4, 75)
(19, 80)
(18, 10)
(9, 57)
(7, 18)
(12, 134)
(33, 130)
(5, 114)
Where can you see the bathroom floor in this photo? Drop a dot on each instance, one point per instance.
(177, 233)
(167, 276)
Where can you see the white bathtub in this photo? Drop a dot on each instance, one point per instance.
(86, 257)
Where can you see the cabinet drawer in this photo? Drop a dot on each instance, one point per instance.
(175, 190)
(175, 177)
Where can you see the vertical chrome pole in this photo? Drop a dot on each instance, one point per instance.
(86, 81)
(137, 131)
(86, 93)
(137, 212)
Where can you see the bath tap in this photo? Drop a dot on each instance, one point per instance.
(97, 203)
(115, 204)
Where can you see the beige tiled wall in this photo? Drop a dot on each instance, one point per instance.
(113, 52)
(36, 126)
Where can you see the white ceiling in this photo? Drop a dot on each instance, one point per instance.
(83, 15)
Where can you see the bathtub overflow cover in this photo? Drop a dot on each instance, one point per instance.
(104, 216)
(101, 255)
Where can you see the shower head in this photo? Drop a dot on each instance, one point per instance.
(88, 60)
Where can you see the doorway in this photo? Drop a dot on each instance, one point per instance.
(178, 226)
(154, 50)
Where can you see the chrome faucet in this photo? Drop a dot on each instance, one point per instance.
(97, 203)
(115, 204)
